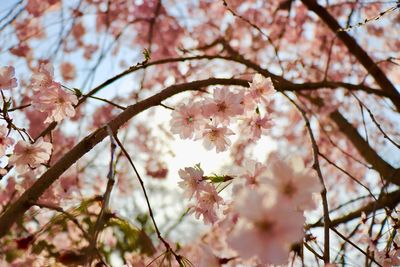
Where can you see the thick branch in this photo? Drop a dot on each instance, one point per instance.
(355, 49)
(389, 200)
(385, 169)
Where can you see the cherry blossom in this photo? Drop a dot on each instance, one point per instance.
(57, 103)
(192, 181)
(384, 257)
(38, 7)
(5, 141)
(42, 79)
(186, 120)
(252, 171)
(389, 259)
(265, 232)
(201, 255)
(261, 88)
(276, 69)
(214, 136)
(256, 125)
(7, 79)
(223, 106)
(27, 155)
(21, 50)
(68, 71)
(293, 181)
(206, 204)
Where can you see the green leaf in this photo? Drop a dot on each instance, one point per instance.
(78, 92)
(146, 54)
(7, 105)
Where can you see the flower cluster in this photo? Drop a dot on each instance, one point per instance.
(49, 97)
(209, 118)
(207, 199)
(265, 216)
(270, 208)
(266, 227)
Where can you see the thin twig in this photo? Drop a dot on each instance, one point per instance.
(317, 167)
(106, 199)
(166, 244)
(354, 245)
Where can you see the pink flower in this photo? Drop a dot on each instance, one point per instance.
(248, 102)
(43, 78)
(207, 202)
(201, 255)
(192, 180)
(68, 72)
(384, 257)
(36, 7)
(224, 106)
(252, 171)
(5, 141)
(78, 31)
(57, 103)
(28, 155)
(186, 119)
(261, 88)
(21, 50)
(255, 126)
(7, 79)
(266, 229)
(293, 182)
(216, 137)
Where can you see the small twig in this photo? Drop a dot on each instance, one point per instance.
(362, 105)
(276, 51)
(165, 106)
(348, 174)
(20, 107)
(354, 245)
(106, 198)
(313, 251)
(166, 244)
(105, 100)
(317, 167)
(367, 20)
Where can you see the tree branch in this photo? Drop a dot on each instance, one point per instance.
(356, 50)
(389, 200)
(388, 172)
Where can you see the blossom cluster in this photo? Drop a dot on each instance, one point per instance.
(209, 119)
(270, 208)
(49, 97)
(264, 217)
(196, 185)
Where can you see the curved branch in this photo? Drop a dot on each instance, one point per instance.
(389, 200)
(289, 86)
